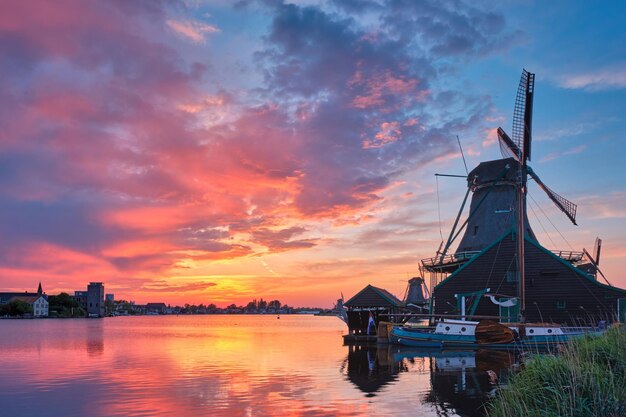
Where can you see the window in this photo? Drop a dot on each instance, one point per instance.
(475, 230)
(560, 304)
(512, 276)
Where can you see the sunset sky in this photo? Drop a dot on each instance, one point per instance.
(218, 151)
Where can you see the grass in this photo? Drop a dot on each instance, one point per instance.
(587, 379)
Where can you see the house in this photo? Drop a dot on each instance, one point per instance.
(156, 308)
(37, 302)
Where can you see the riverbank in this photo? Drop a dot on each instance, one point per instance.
(587, 379)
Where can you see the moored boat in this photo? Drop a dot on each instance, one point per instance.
(487, 334)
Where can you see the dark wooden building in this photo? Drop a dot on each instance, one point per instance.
(556, 291)
(370, 300)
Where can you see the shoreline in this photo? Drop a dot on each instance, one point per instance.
(170, 315)
(587, 378)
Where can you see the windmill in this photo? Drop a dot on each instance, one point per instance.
(496, 233)
(498, 189)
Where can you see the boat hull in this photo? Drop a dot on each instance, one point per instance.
(426, 338)
(429, 338)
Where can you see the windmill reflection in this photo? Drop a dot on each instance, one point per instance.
(460, 382)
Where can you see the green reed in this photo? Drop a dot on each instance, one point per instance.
(588, 378)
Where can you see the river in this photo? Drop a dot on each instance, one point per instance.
(237, 365)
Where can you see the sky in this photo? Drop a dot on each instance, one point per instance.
(218, 151)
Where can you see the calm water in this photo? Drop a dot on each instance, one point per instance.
(228, 366)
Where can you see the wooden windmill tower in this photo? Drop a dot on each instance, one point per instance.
(496, 199)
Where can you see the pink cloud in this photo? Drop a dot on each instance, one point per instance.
(193, 30)
(128, 162)
(389, 133)
(606, 206)
(491, 137)
(380, 89)
(597, 79)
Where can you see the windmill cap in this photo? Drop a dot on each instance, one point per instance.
(506, 170)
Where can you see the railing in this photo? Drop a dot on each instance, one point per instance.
(569, 256)
(449, 259)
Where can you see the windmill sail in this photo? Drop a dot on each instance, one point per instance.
(562, 203)
(508, 148)
(523, 113)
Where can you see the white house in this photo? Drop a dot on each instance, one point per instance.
(38, 302)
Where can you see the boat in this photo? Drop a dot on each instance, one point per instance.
(487, 334)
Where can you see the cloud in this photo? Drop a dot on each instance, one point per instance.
(192, 30)
(448, 29)
(609, 78)
(162, 286)
(124, 157)
(609, 206)
(280, 240)
(572, 129)
(559, 154)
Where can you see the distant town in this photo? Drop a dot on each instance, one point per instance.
(94, 302)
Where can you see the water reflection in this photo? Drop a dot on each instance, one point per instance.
(370, 368)
(94, 342)
(461, 382)
(464, 381)
(226, 366)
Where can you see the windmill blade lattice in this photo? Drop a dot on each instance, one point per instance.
(522, 113)
(562, 203)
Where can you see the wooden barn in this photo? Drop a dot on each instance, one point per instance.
(370, 300)
(556, 291)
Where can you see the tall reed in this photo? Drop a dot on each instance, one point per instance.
(588, 378)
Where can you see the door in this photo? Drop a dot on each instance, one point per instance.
(511, 314)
